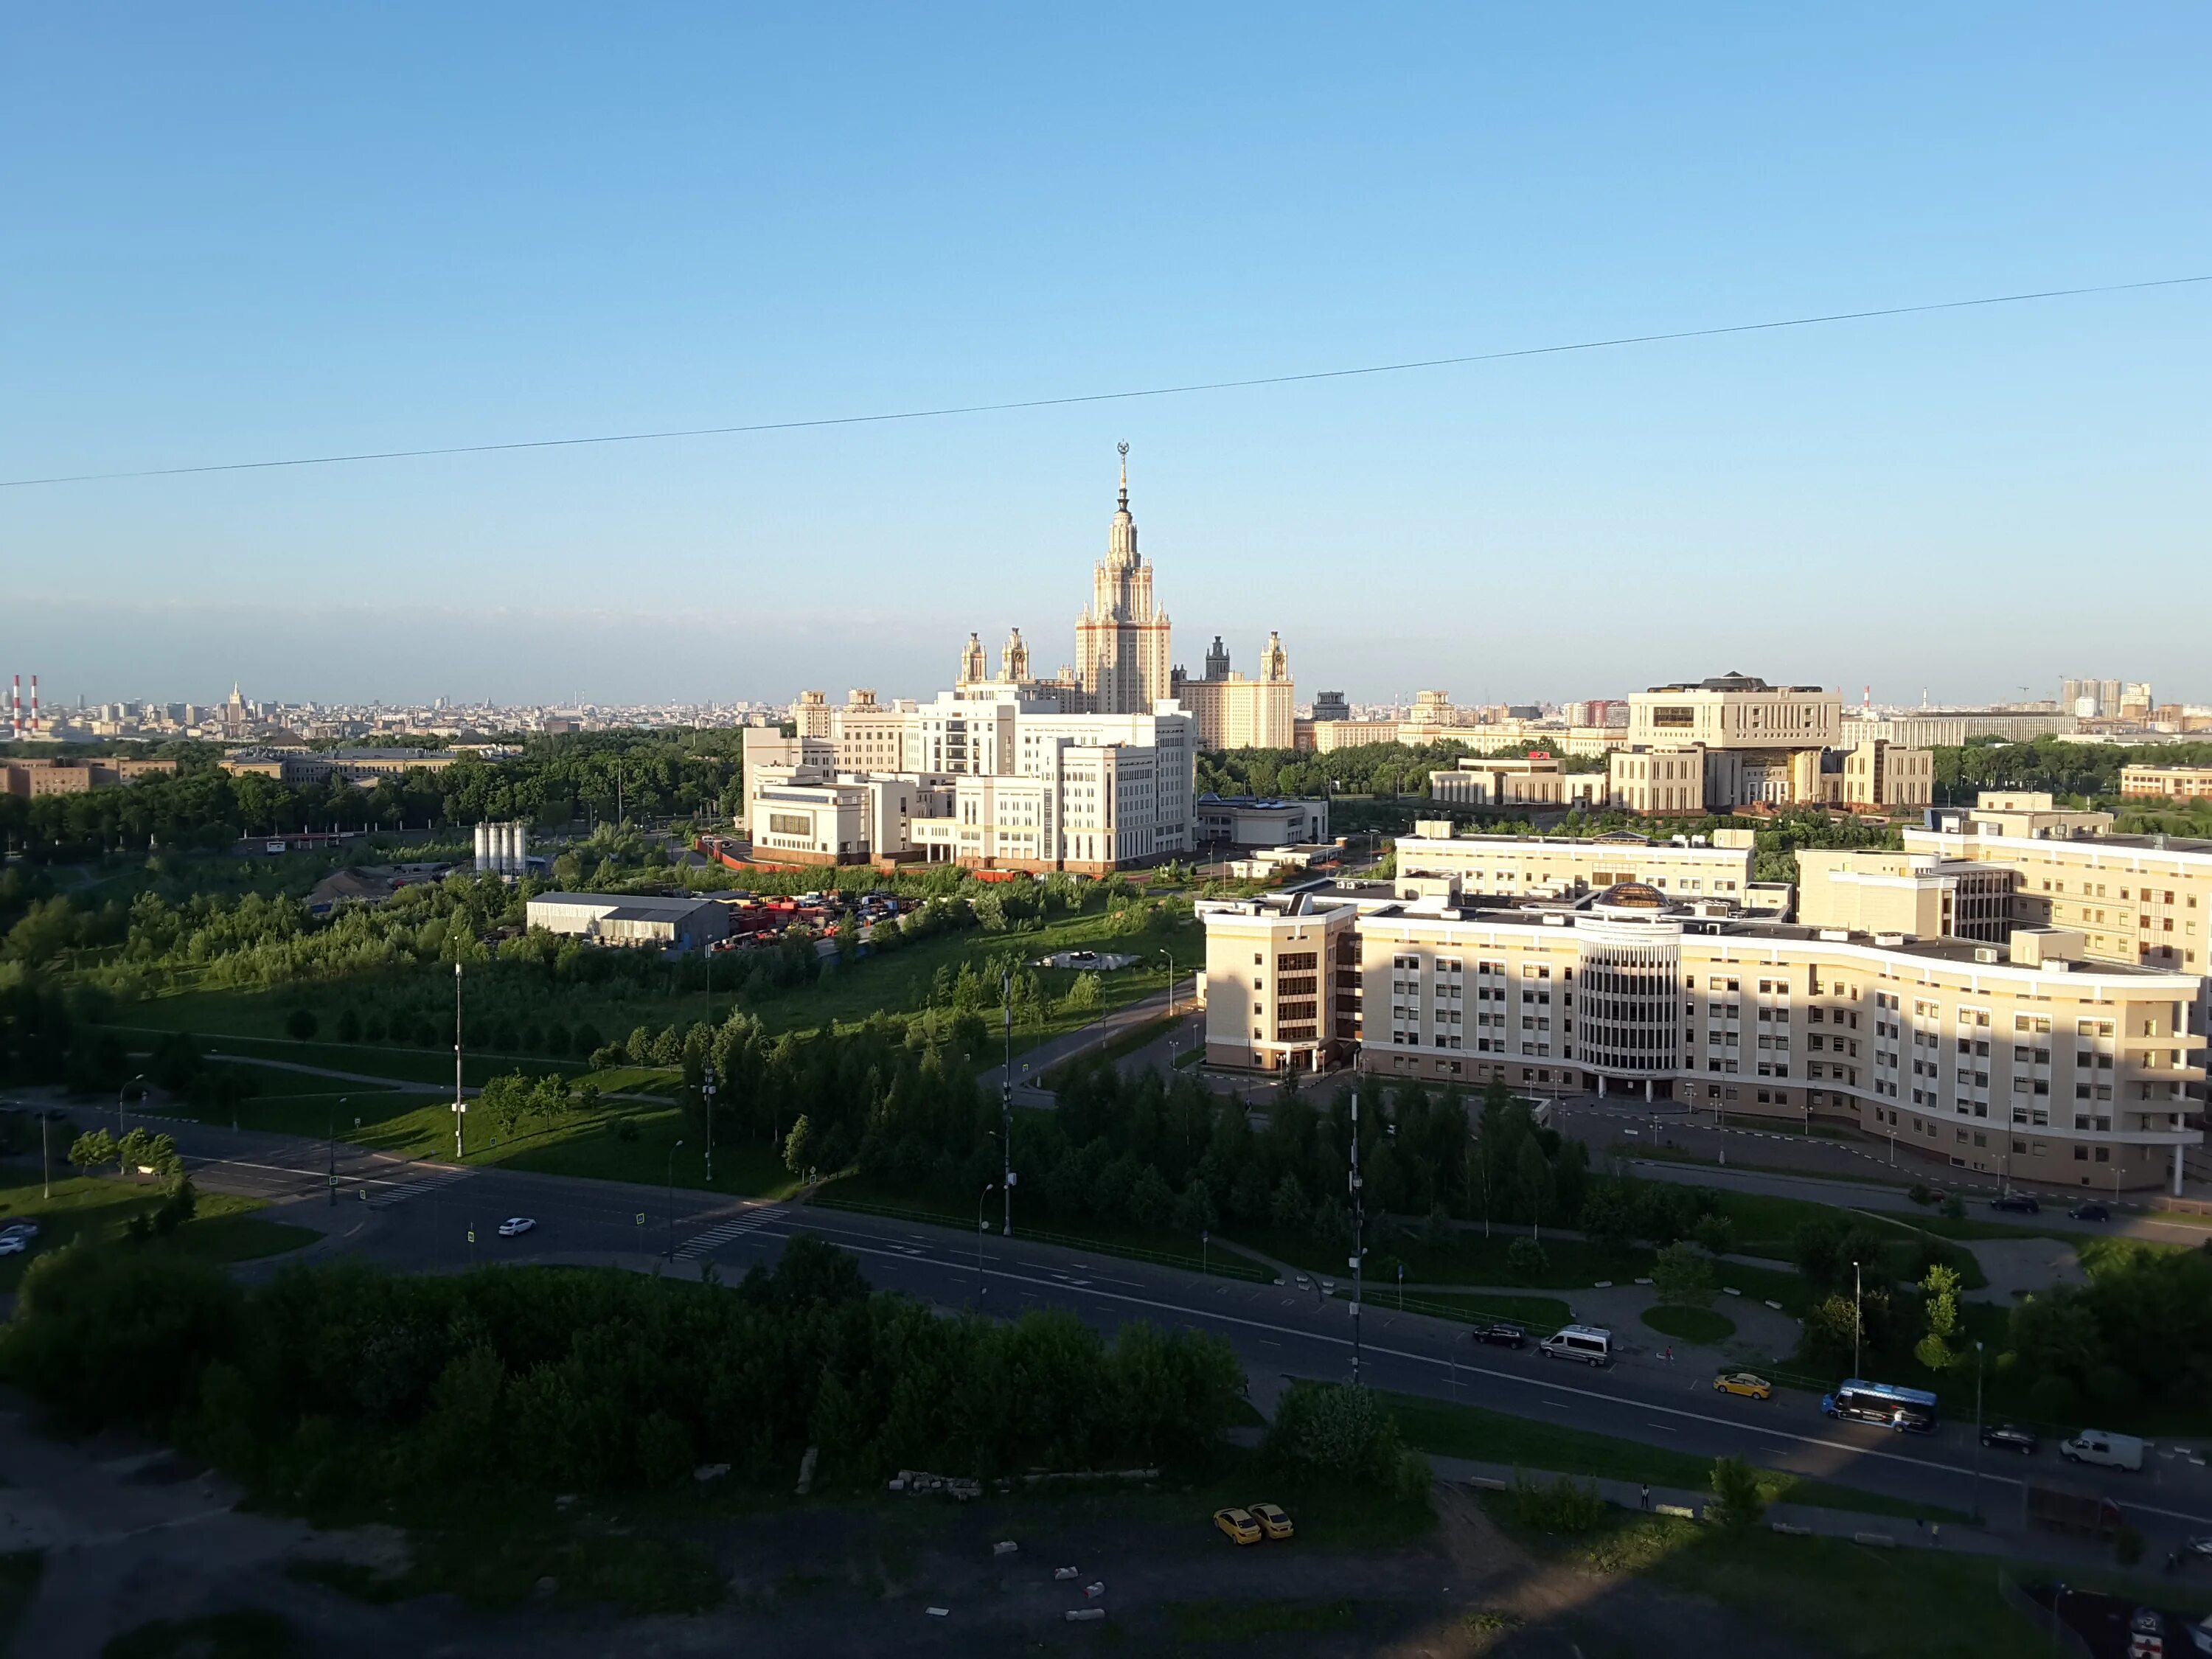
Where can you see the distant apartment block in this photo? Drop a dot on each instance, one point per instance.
(2166, 782)
(32, 778)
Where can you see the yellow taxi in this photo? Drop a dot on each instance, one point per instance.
(1272, 1520)
(1238, 1526)
(1747, 1384)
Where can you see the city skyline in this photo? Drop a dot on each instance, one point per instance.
(577, 230)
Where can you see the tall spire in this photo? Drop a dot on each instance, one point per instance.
(1124, 448)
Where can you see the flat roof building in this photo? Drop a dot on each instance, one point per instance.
(2023, 1059)
(632, 920)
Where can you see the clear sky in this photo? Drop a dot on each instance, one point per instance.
(235, 232)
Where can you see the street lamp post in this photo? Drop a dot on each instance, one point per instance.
(1358, 1235)
(334, 1151)
(460, 1105)
(988, 1188)
(1005, 1109)
(119, 1093)
(672, 1151)
(706, 1093)
(1858, 1320)
(1975, 1507)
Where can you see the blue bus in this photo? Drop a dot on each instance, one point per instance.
(1884, 1403)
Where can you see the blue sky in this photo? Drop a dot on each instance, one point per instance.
(240, 232)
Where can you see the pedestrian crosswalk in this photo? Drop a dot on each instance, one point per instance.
(400, 1192)
(736, 1226)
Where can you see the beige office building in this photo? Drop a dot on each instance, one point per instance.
(2025, 1060)
(2166, 782)
(1233, 712)
(1435, 863)
(1501, 780)
(1914, 895)
(2139, 899)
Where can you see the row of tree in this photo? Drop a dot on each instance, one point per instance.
(555, 782)
(341, 1383)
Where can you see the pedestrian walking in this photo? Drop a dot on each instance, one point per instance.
(1669, 1355)
(1646, 1495)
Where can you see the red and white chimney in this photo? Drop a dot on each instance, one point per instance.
(34, 705)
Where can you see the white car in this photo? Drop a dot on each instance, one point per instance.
(515, 1225)
(14, 1243)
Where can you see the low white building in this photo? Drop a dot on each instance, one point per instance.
(1256, 821)
(627, 919)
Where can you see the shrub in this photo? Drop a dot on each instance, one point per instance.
(1567, 1505)
(299, 1025)
(2127, 1546)
(349, 1026)
(1526, 1260)
(1716, 1234)
(1683, 1276)
(1330, 1433)
(1736, 1502)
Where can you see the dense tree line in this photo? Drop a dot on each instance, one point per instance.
(2087, 770)
(556, 781)
(341, 1383)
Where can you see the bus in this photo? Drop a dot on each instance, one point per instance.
(1884, 1403)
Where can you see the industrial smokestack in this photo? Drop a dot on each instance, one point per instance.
(34, 705)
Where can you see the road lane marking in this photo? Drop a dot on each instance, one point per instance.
(1612, 1400)
(735, 1228)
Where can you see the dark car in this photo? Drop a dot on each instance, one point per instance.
(2090, 1212)
(1499, 1334)
(2024, 1203)
(2010, 1437)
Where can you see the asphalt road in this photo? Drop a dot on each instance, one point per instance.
(419, 1216)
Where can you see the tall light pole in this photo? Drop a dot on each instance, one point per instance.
(1858, 1319)
(119, 1093)
(981, 1229)
(334, 1151)
(1359, 1237)
(1006, 1110)
(1975, 1507)
(672, 1151)
(706, 1093)
(460, 1105)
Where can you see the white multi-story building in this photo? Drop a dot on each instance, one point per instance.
(2027, 1059)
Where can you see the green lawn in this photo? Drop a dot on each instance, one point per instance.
(1452, 1431)
(97, 1205)
(251, 1023)
(1174, 1249)
(1541, 1314)
(1827, 1594)
(1690, 1324)
(1468, 1259)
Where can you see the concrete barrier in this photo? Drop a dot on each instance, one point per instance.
(1084, 1615)
(1877, 1539)
(1489, 1483)
(1777, 1306)
(1680, 1511)
(1789, 1531)
(1730, 1290)
(1005, 1546)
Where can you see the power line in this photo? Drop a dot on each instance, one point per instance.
(1179, 391)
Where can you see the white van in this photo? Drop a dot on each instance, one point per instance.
(2110, 1451)
(1587, 1343)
